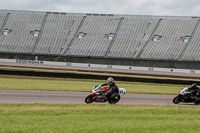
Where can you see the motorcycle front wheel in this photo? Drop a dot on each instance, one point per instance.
(89, 99)
(177, 100)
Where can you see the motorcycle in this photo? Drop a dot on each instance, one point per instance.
(96, 95)
(185, 97)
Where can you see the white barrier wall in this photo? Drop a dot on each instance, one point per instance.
(98, 65)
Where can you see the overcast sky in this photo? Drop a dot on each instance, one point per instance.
(132, 7)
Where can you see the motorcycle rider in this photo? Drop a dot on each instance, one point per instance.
(195, 92)
(113, 88)
(194, 89)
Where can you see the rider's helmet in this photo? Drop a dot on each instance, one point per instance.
(194, 85)
(110, 80)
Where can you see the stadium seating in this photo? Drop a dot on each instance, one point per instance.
(100, 35)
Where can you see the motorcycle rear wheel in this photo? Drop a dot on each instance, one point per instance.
(114, 100)
(89, 99)
(177, 100)
(196, 101)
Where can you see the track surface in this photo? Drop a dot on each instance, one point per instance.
(27, 96)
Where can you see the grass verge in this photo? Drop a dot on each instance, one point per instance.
(60, 84)
(98, 118)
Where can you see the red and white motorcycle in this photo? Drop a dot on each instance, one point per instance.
(96, 95)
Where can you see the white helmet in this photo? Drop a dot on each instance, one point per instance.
(110, 80)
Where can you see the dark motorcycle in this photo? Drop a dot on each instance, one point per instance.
(96, 95)
(185, 97)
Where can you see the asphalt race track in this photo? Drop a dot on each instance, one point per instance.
(62, 97)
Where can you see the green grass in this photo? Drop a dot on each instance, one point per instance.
(82, 85)
(98, 118)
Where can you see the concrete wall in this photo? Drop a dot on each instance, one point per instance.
(109, 61)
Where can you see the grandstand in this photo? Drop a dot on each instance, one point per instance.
(161, 41)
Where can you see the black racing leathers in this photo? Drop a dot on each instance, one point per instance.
(194, 90)
(195, 93)
(113, 88)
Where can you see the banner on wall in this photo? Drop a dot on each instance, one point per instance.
(69, 64)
